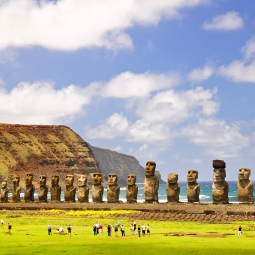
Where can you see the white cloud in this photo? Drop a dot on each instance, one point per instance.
(8, 55)
(225, 22)
(40, 103)
(218, 138)
(117, 148)
(143, 147)
(69, 25)
(2, 83)
(199, 75)
(197, 161)
(249, 49)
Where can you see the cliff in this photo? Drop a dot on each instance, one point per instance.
(43, 149)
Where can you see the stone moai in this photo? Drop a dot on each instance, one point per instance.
(43, 190)
(219, 186)
(193, 188)
(151, 183)
(70, 190)
(4, 192)
(16, 189)
(244, 186)
(83, 189)
(30, 188)
(55, 189)
(173, 188)
(132, 189)
(113, 189)
(97, 188)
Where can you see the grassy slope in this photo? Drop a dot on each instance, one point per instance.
(83, 241)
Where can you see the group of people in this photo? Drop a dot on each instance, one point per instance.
(98, 229)
(60, 230)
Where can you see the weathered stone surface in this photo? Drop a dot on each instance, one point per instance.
(16, 189)
(43, 190)
(244, 186)
(113, 189)
(97, 188)
(193, 188)
(30, 188)
(55, 189)
(173, 188)
(83, 189)
(131, 189)
(70, 190)
(4, 192)
(219, 163)
(220, 186)
(151, 183)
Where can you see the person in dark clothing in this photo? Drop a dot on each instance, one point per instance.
(240, 231)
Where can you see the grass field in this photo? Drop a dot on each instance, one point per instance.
(29, 235)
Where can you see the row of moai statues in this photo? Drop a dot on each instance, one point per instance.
(151, 184)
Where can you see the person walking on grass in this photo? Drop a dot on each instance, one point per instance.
(109, 229)
(95, 230)
(122, 228)
(2, 223)
(240, 231)
(97, 226)
(101, 229)
(116, 230)
(132, 229)
(69, 230)
(143, 230)
(148, 230)
(49, 230)
(9, 229)
(118, 223)
(134, 225)
(139, 231)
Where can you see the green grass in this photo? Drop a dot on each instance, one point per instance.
(29, 235)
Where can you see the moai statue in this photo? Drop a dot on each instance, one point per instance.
(219, 186)
(193, 188)
(43, 190)
(70, 190)
(83, 189)
(113, 189)
(132, 189)
(244, 186)
(16, 189)
(173, 188)
(30, 188)
(151, 183)
(97, 188)
(4, 192)
(55, 189)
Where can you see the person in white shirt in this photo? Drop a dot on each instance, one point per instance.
(148, 230)
(132, 229)
(134, 225)
(2, 223)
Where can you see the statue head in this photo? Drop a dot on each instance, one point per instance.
(4, 184)
(219, 174)
(29, 179)
(131, 180)
(54, 180)
(15, 181)
(69, 180)
(43, 179)
(150, 168)
(97, 178)
(219, 163)
(112, 179)
(82, 180)
(244, 173)
(192, 176)
(172, 178)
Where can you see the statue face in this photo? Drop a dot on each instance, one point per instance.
(113, 178)
(54, 180)
(43, 180)
(69, 180)
(15, 181)
(131, 179)
(244, 173)
(192, 175)
(4, 184)
(219, 175)
(97, 178)
(150, 168)
(172, 178)
(82, 181)
(29, 179)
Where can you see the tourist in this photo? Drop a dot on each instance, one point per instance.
(2, 223)
(49, 230)
(95, 230)
(109, 230)
(116, 230)
(132, 229)
(134, 225)
(97, 226)
(240, 231)
(143, 230)
(139, 231)
(101, 229)
(9, 229)
(148, 230)
(58, 229)
(61, 230)
(118, 223)
(122, 230)
(69, 230)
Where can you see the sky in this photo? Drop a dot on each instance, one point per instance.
(170, 81)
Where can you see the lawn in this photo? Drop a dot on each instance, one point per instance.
(29, 235)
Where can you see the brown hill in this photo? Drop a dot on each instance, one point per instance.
(43, 149)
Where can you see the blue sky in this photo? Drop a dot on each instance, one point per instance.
(169, 81)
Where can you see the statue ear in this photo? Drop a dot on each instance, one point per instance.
(224, 173)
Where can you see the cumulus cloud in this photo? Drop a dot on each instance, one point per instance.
(199, 75)
(117, 148)
(249, 49)
(69, 25)
(225, 22)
